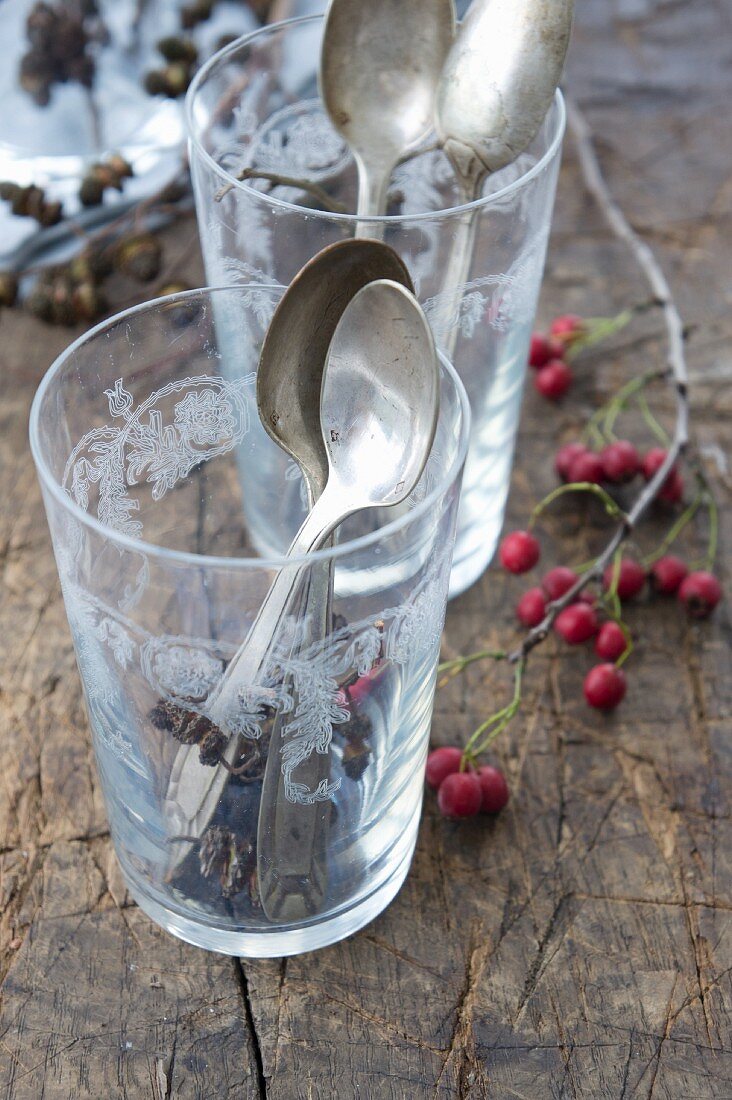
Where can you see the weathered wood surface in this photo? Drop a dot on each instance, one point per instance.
(581, 945)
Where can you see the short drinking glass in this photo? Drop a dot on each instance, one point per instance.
(137, 432)
(255, 108)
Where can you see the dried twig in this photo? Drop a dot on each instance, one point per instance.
(308, 186)
(676, 373)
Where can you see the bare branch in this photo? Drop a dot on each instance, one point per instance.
(676, 373)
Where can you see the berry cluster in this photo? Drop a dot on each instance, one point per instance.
(548, 355)
(181, 55)
(58, 44)
(108, 173)
(563, 601)
(461, 791)
(618, 463)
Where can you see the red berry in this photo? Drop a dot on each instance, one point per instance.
(605, 686)
(441, 763)
(587, 467)
(576, 623)
(531, 608)
(567, 327)
(631, 578)
(494, 789)
(673, 487)
(542, 349)
(460, 795)
(667, 574)
(558, 581)
(359, 690)
(519, 552)
(565, 456)
(553, 380)
(620, 462)
(610, 642)
(700, 593)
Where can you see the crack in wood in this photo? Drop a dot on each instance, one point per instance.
(243, 984)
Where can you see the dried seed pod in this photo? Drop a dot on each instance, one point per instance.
(39, 302)
(88, 302)
(197, 12)
(50, 214)
(357, 750)
(9, 190)
(221, 853)
(139, 257)
(211, 746)
(121, 167)
(91, 191)
(8, 288)
(176, 48)
(172, 81)
(173, 192)
(93, 265)
(167, 716)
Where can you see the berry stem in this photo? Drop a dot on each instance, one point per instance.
(675, 530)
(321, 196)
(713, 511)
(598, 329)
(653, 425)
(602, 422)
(456, 666)
(495, 724)
(611, 507)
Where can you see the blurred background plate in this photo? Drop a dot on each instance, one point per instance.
(53, 145)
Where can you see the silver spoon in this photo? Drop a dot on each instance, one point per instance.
(497, 85)
(379, 407)
(292, 837)
(380, 64)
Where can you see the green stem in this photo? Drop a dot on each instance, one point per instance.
(611, 507)
(713, 511)
(707, 562)
(660, 433)
(459, 664)
(619, 402)
(608, 413)
(675, 530)
(496, 723)
(611, 596)
(598, 329)
(626, 634)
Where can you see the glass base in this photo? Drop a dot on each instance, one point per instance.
(270, 945)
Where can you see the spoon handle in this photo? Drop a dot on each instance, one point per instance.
(247, 662)
(458, 269)
(193, 791)
(373, 187)
(292, 836)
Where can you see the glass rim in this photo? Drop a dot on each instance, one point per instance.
(214, 561)
(195, 142)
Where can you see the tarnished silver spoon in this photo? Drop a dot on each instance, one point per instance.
(380, 65)
(497, 85)
(292, 837)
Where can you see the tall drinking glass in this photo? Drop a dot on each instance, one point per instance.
(255, 109)
(135, 431)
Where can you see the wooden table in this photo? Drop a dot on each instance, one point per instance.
(578, 946)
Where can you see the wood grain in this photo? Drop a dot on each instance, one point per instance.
(579, 946)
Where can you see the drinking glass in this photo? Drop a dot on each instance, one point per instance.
(135, 432)
(255, 107)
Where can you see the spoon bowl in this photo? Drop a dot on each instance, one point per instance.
(296, 345)
(380, 65)
(379, 401)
